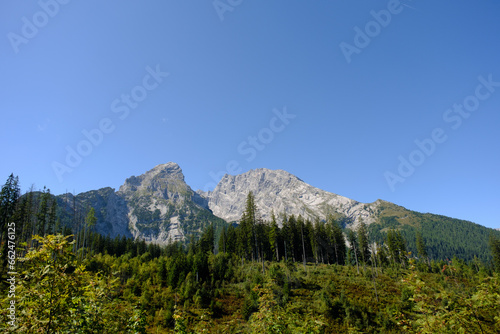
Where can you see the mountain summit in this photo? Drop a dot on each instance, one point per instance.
(282, 192)
(158, 206)
(162, 206)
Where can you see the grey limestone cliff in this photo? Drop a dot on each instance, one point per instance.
(162, 207)
(280, 191)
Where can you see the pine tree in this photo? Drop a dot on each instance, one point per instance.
(293, 238)
(206, 242)
(363, 242)
(321, 237)
(351, 237)
(8, 200)
(248, 229)
(231, 240)
(311, 241)
(300, 222)
(223, 240)
(274, 235)
(393, 246)
(397, 247)
(244, 233)
(337, 241)
(285, 233)
(43, 212)
(90, 222)
(421, 249)
(52, 217)
(495, 251)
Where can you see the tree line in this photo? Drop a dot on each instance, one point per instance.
(302, 240)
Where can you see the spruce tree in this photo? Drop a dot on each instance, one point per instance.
(495, 251)
(337, 241)
(363, 242)
(8, 200)
(353, 242)
(421, 249)
(274, 235)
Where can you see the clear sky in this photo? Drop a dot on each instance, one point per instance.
(367, 99)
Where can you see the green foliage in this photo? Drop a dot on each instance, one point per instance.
(56, 294)
(495, 251)
(452, 309)
(251, 281)
(444, 237)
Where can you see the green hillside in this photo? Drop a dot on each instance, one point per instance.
(444, 237)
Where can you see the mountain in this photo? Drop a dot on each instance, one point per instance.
(282, 192)
(157, 206)
(163, 207)
(111, 210)
(444, 237)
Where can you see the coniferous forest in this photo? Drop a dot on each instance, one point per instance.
(286, 275)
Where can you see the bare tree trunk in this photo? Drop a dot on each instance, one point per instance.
(277, 254)
(286, 254)
(356, 257)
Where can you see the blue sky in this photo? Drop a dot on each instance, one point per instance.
(335, 92)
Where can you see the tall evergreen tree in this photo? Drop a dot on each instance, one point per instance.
(337, 241)
(311, 241)
(300, 223)
(321, 241)
(52, 217)
(397, 247)
(495, 251)
(363, 242)
(207, 240)
(286, 237)
(43, 212)
(421, 248)
(90, 222)
(274, 236)
(354, 248)
(231, 240)
(223, 240)
(251, 215)
(294, 238)
(8, 200)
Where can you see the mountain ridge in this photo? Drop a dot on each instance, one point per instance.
(158, 206)
(283, 192)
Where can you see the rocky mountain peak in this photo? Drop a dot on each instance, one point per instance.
(161, 181)
(161, 206)
(282, 192)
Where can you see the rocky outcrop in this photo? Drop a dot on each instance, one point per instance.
(162, 207)
(158, 206)
(110, 210)
(282, 192)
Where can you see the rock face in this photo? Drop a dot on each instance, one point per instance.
(162, 207)
(281, 191)
(110, 210)
(157, 206)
